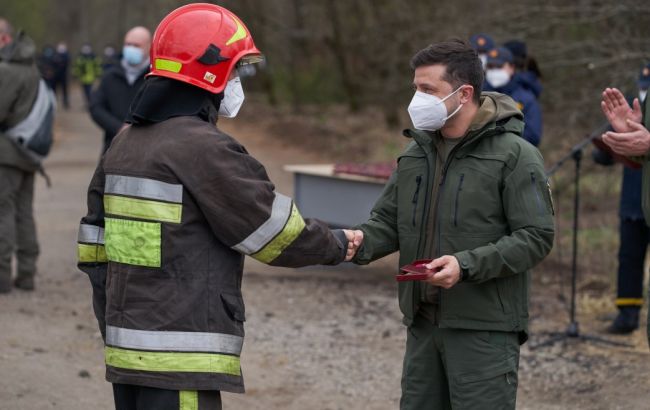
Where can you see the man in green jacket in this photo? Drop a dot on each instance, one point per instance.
(470, 194)
(630, 138)
(19, 84)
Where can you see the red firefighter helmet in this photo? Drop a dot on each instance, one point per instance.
(200, 44)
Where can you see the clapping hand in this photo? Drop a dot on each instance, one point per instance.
(355, 239)
(618, 111)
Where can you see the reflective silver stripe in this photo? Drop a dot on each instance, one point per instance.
(90, 234)
(173, 341)
(143, 188)
(269, 229)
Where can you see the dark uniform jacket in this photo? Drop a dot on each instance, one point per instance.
(494, 214)
(173, 208)
(110, 102)
(527, 103)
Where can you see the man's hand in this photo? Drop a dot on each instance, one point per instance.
(618, 111)
(635, 142)
(448, 271)
(355, 239)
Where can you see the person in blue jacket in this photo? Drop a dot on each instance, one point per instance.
(634, 235)
(527, 69)
(482, 43)
(500, 76)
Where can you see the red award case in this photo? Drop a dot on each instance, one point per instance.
(415, 271)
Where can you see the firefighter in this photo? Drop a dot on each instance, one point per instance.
(173, 207)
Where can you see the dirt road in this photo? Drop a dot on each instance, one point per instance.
(317, 338)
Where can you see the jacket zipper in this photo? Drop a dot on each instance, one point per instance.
(460, 188)
(533, 181)
(418, 181)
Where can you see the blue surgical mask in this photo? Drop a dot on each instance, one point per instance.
(132, 55)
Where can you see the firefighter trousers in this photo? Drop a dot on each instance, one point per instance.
(131, 397)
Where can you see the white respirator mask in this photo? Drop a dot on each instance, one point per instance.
(233, 98)
(497, 77)
(429, 112)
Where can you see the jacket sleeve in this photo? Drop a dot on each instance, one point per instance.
(248, 215)
(529, 211)
(533, 120)
(8, 97)
(91, 255)
(380, 236)
(99, 109)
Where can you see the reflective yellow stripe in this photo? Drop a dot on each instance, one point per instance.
(91, 253)
(168, 65)
(143, 209)
(133, 242)
(239, 34)
(172, 361)
(629, 302)
(189, 400)
(291, 230)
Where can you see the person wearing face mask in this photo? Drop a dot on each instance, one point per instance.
(482, 43)
(87, 69)
(500, 77)
(470, 195)
(634, 234)
(527, 68)
(109, 103)
(174, 206)
(60, 63)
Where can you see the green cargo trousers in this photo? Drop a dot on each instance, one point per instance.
(17, 228)
(458, 369)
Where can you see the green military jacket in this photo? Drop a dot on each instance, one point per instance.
(495, 215)
(19, 79)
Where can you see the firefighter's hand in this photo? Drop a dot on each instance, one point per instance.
(636, 142)
(355, 239)
(448, 271)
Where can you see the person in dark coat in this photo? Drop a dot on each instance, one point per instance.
(634, 235)
(110, 102)
(501, 77)
(61, 65)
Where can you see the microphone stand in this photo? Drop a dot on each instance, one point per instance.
(573, 329)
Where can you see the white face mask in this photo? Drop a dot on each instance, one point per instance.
(497, 77)
(642, 95)
(233, 98)
(429, 112)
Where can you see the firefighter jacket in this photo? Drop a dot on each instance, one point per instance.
(173, 207)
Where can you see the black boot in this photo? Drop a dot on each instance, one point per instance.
(25, 283)
(626, 322)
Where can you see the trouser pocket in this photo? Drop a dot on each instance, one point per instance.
(489, 388)
(482, 368)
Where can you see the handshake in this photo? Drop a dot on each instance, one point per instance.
(355, 239)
